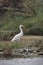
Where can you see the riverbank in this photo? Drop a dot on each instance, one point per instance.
(22, 49)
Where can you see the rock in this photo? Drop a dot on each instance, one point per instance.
(40, 53)
(1, 51)
(30, 50)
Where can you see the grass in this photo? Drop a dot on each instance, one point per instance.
(33, 25)
(28, 41)
(11, 22)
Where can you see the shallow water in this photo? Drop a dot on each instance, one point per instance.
(22, 61)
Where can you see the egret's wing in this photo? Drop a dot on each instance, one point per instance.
(17, 37)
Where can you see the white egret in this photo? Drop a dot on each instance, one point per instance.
(19, 36)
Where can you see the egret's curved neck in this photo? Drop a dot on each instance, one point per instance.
(21, 29)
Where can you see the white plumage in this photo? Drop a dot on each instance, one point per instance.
(18, 36)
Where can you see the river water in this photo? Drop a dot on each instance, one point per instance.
(22, 61)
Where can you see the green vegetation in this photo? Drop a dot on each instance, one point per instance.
(10, 21)
(21, 44)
